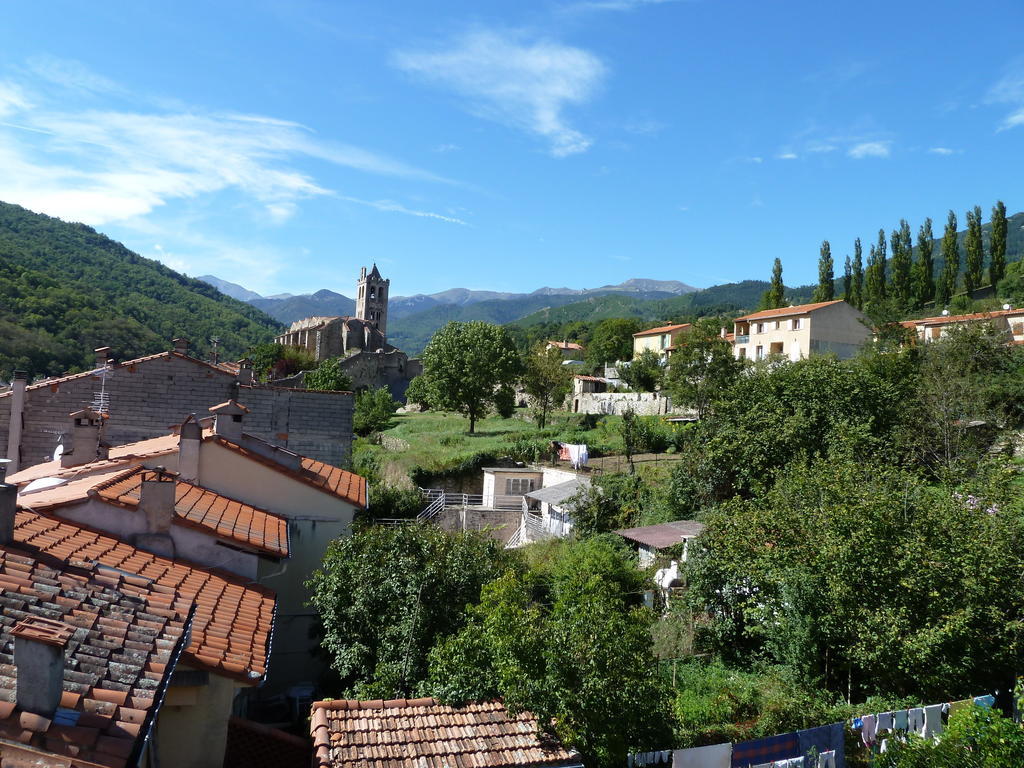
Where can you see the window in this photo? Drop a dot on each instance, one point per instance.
(778, 324)
(759, 353)
(517, 486)
(664, 340)
(797, 323)
(743, 353)
(760, 328)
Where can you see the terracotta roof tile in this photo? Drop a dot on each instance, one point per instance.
(800, 309)
(945, 319)
(662, 329)
(417, 732)
(226, 605)
(663, 535)
(565, 345)
(204, 510)
(78, 607)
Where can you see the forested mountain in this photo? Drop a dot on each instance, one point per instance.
(65, 289)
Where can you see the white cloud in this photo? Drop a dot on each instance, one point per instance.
(101, 166)
(12, 99)
(1009, 89)
(527, 85)
(869, 149)
(445, 148)
(787, 156)
(754, 160)
(941, 151)
(71, 74)
(391, 206)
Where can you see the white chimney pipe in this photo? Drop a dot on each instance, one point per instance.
(189, 442)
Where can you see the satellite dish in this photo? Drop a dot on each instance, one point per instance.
(58, 451)
(945, 313)
(1006, 306)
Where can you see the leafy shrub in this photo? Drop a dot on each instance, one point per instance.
(373, 412)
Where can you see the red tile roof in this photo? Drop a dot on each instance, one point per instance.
(565, 344)
(118, 456)
(204, 510)
(423, 732)
(663, 535)
(662, 329)
(944, 319)
(121, 637)
(800, 309)
(234, 618)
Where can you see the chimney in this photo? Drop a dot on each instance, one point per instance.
(227, 420)
(180, 346)
(8, 510)
(189, 441)
(156, 501)
(85, 438)
(245, 375)
(39, 658)
(17, 419)
(102, 356)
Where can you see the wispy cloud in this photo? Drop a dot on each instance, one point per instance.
(870, 149)
(107, 165)
(505, 78)
(446, 148)
(71, 74)
(787, 156)
(942, 151)
(1009, 89)
(391, 206)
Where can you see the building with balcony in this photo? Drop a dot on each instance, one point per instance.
(827, 327)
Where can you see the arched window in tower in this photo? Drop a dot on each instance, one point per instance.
(373, 294)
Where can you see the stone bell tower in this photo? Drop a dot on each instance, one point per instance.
(372, 299)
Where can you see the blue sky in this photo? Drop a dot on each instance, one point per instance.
(508, 145)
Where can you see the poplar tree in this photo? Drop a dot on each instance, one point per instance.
(871, 290)
(857, 286)
(924, 268)
(847, 280)
(946, 285)
(775, 296)
(826, 274)
(975, 251)
(883, 266)
(997, 244)
(901, 250)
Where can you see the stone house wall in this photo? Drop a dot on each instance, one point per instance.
(617, 403)
(150, 394)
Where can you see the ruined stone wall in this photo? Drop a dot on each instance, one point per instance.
(148, 396)
(617, 403)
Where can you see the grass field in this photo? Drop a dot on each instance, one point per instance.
(435, 441)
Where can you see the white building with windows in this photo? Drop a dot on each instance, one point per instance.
(827, 327)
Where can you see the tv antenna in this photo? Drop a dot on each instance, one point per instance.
(101, 400)
(215, 340)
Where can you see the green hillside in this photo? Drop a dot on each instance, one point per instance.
(412, 332)
(65, 289)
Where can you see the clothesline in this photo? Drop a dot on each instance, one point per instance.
(820, 747)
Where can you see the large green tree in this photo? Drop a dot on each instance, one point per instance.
(570, 642)
(644, 373)
(874, 277)
(847, 280)
(612, 340)
(975, 251)
(826, 274)
(702, 368)
(328, 376)
(373, 411)
(924, 268)
(863, 578)
(997, 244)
(386, 596)
(945, 286)
(467, 367)
(546, 380)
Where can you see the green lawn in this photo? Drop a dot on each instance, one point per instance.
(436, 441)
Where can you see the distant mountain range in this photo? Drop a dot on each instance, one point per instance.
(287, 308)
